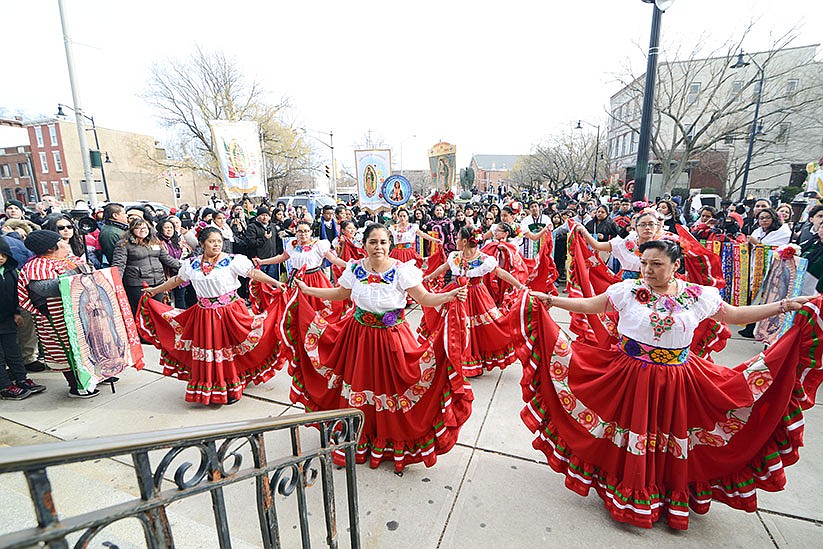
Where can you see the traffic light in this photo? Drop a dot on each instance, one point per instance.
(328, 171)
(177, 192)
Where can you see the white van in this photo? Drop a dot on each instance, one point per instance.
(700, 201)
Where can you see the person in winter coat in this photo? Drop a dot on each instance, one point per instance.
(141, 257)
(14, 384)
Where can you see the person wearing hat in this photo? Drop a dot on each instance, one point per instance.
(38, 289)
(15, 210)
(14, 385)
(259, 238)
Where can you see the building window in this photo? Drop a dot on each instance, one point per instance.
(737, 88)
(44, 163)
(728, 139)
(5, 170)
(23, 169)
(694, 92)
(783, 132)
(53, 135)
(58, 162)
(634, 143)
(792, 85)
(690, 132)
(38, 133)
(45, 186)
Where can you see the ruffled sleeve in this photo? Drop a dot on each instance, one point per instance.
(708, 301)
(489, 264)
(185, 268)
(620, 294)
(323, 246)
(241, 265)
(408, 275)
(347, 279)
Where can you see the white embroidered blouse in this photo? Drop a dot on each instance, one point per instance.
(380, 292)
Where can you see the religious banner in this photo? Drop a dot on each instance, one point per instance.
(373, 167)
(103, 339)
(784, 280)
(396, 190)
(237, 146)
(442, 160)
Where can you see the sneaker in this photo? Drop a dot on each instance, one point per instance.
(83, 394)
(13, 392)
(35, 366)
(31, 386)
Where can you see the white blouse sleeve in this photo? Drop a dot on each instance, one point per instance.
(241, 265)
(490, 263)
(347, 279)
(619, 294)
(323, 246)
(185, 270)
(408, 276)
(708, 303)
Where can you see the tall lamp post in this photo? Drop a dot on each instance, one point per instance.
(330, 145)
(91, 188)
(739, 64)
(642, 166)
(60, 112)
(596, 147)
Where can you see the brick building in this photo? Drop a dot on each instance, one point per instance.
(490, 170)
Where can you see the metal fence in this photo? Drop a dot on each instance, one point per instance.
(223, 452)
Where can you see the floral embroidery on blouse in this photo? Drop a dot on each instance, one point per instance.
(663, 307)
(199, 264)
(468, 265)
(300, 248)
(365, 277)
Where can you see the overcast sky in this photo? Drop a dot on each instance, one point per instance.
(491, 77)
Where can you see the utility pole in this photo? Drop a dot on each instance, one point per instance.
(91, 187)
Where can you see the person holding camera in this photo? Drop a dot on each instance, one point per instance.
(65, 226)
(260, 238)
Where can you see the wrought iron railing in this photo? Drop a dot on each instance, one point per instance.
(164, 478)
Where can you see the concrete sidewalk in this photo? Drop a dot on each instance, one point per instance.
(491, 490)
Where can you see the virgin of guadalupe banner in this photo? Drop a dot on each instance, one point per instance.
(784, 280)
(373, 167)
(442, 159)
(237, 146)
(103, 339)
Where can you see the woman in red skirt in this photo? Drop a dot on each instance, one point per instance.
(404, 234)
(509, 260)
(655, 429)
(346, 247)
(413, 396)
(217, 346)
(308, 252)
(489, 338)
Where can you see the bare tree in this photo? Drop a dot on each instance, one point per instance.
(702, 104)
(210, 86)
(562, 160)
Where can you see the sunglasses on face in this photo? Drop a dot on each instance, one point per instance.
(63, 227)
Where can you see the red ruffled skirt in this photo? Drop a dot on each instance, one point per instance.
(489, 338)
(406, 254)
(413, 398)
(218, 351)
(656, 440)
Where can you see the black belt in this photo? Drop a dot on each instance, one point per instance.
(316, 269)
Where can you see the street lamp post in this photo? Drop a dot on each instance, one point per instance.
(330, 145)
(596, 146)
(642, 166)
(78, 111)
(738, 65)
(96, 144)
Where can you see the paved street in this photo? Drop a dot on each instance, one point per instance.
(492, 490)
